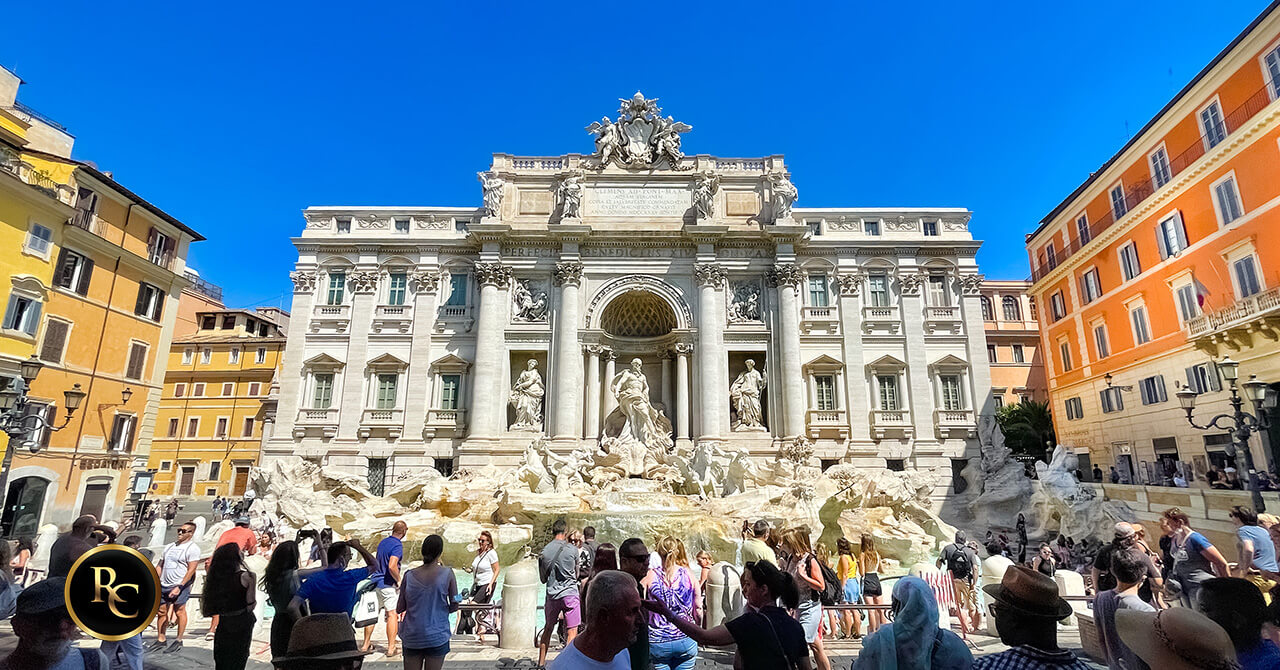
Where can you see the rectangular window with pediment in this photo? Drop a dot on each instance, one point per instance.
(825, 391)
(449, 385)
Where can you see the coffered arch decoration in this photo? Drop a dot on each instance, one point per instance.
(643, 295)
(637, 313)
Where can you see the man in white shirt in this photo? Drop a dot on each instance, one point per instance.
(613, 608)
(177, 566)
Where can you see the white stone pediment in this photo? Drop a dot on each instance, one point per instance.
(886, 362)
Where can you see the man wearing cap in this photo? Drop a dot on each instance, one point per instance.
(241, 535)
(962, 563)
(178, 563)
(71, 545)
(45, 632)
(1027, 608)
(1126, 539)
(322, 642)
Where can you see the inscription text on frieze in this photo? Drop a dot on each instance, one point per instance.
(637, 201)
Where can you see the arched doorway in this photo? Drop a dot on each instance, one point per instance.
(23, 507)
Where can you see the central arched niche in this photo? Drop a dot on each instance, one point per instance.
(637, 313)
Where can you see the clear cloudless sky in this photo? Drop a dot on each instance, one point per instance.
(235, 116)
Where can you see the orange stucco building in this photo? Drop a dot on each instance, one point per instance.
(1013, 342)
(1166, 259)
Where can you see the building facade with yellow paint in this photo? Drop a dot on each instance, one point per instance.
(92, 293)
(211, 419)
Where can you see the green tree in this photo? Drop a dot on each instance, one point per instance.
(1027, 427)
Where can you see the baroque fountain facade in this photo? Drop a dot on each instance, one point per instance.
(638, 339)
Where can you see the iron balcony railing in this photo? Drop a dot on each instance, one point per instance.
(203, 287)
(1137, 193)
(13, 164)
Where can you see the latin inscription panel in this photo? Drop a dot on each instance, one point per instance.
(637, 201)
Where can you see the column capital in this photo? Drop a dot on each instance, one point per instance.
(594, 349)
(910, 282)
(364, 281)
(496, 274)
(568, 273)
(850, 283)
(970, 284)
(608, 354)
(709, 274)
(304, 281)
(682, 349)
(428, 281)
(785, 274)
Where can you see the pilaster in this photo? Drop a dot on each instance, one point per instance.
(426, 288)
(290, 376)
(364, 290)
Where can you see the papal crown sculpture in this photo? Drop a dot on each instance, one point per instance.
(640, 137)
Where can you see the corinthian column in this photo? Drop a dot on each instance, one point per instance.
(709, 277)
(568, 380)
(787, 277)
(591, 427)
(682, 351)
(487, 393)
(608, 402)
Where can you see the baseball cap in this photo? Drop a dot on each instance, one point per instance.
(44, 596)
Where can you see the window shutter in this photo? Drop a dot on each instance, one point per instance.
(61, 277)
(117, 427)
(1215, 382)
(55, 340)
(159, 305)
(1160, 240)
(50, 413)
(151, 241)
(1160, 388)
(1180, 229)
(130, 422)
(169, 245)
(32, 318)
(86, 272)
(1191, 380)
(140, 308)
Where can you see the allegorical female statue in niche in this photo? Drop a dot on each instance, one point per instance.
(745, 393)
(526, 398)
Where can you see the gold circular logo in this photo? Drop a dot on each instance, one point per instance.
(112, 592)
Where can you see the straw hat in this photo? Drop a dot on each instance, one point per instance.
(1176, 638)
(322, 637)
(1029, 593)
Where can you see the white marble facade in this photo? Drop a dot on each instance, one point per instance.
(416, 322)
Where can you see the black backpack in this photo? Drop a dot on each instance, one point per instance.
(831, 592)
(959, 564)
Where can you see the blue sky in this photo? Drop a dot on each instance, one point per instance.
(236, 117)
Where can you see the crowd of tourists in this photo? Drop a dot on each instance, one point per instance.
(1172, 601)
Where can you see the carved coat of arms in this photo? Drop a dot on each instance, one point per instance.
(640, 137)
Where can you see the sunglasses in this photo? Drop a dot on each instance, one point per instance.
(186, 530)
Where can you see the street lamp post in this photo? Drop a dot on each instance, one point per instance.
(17, 423)
(1239, 423)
